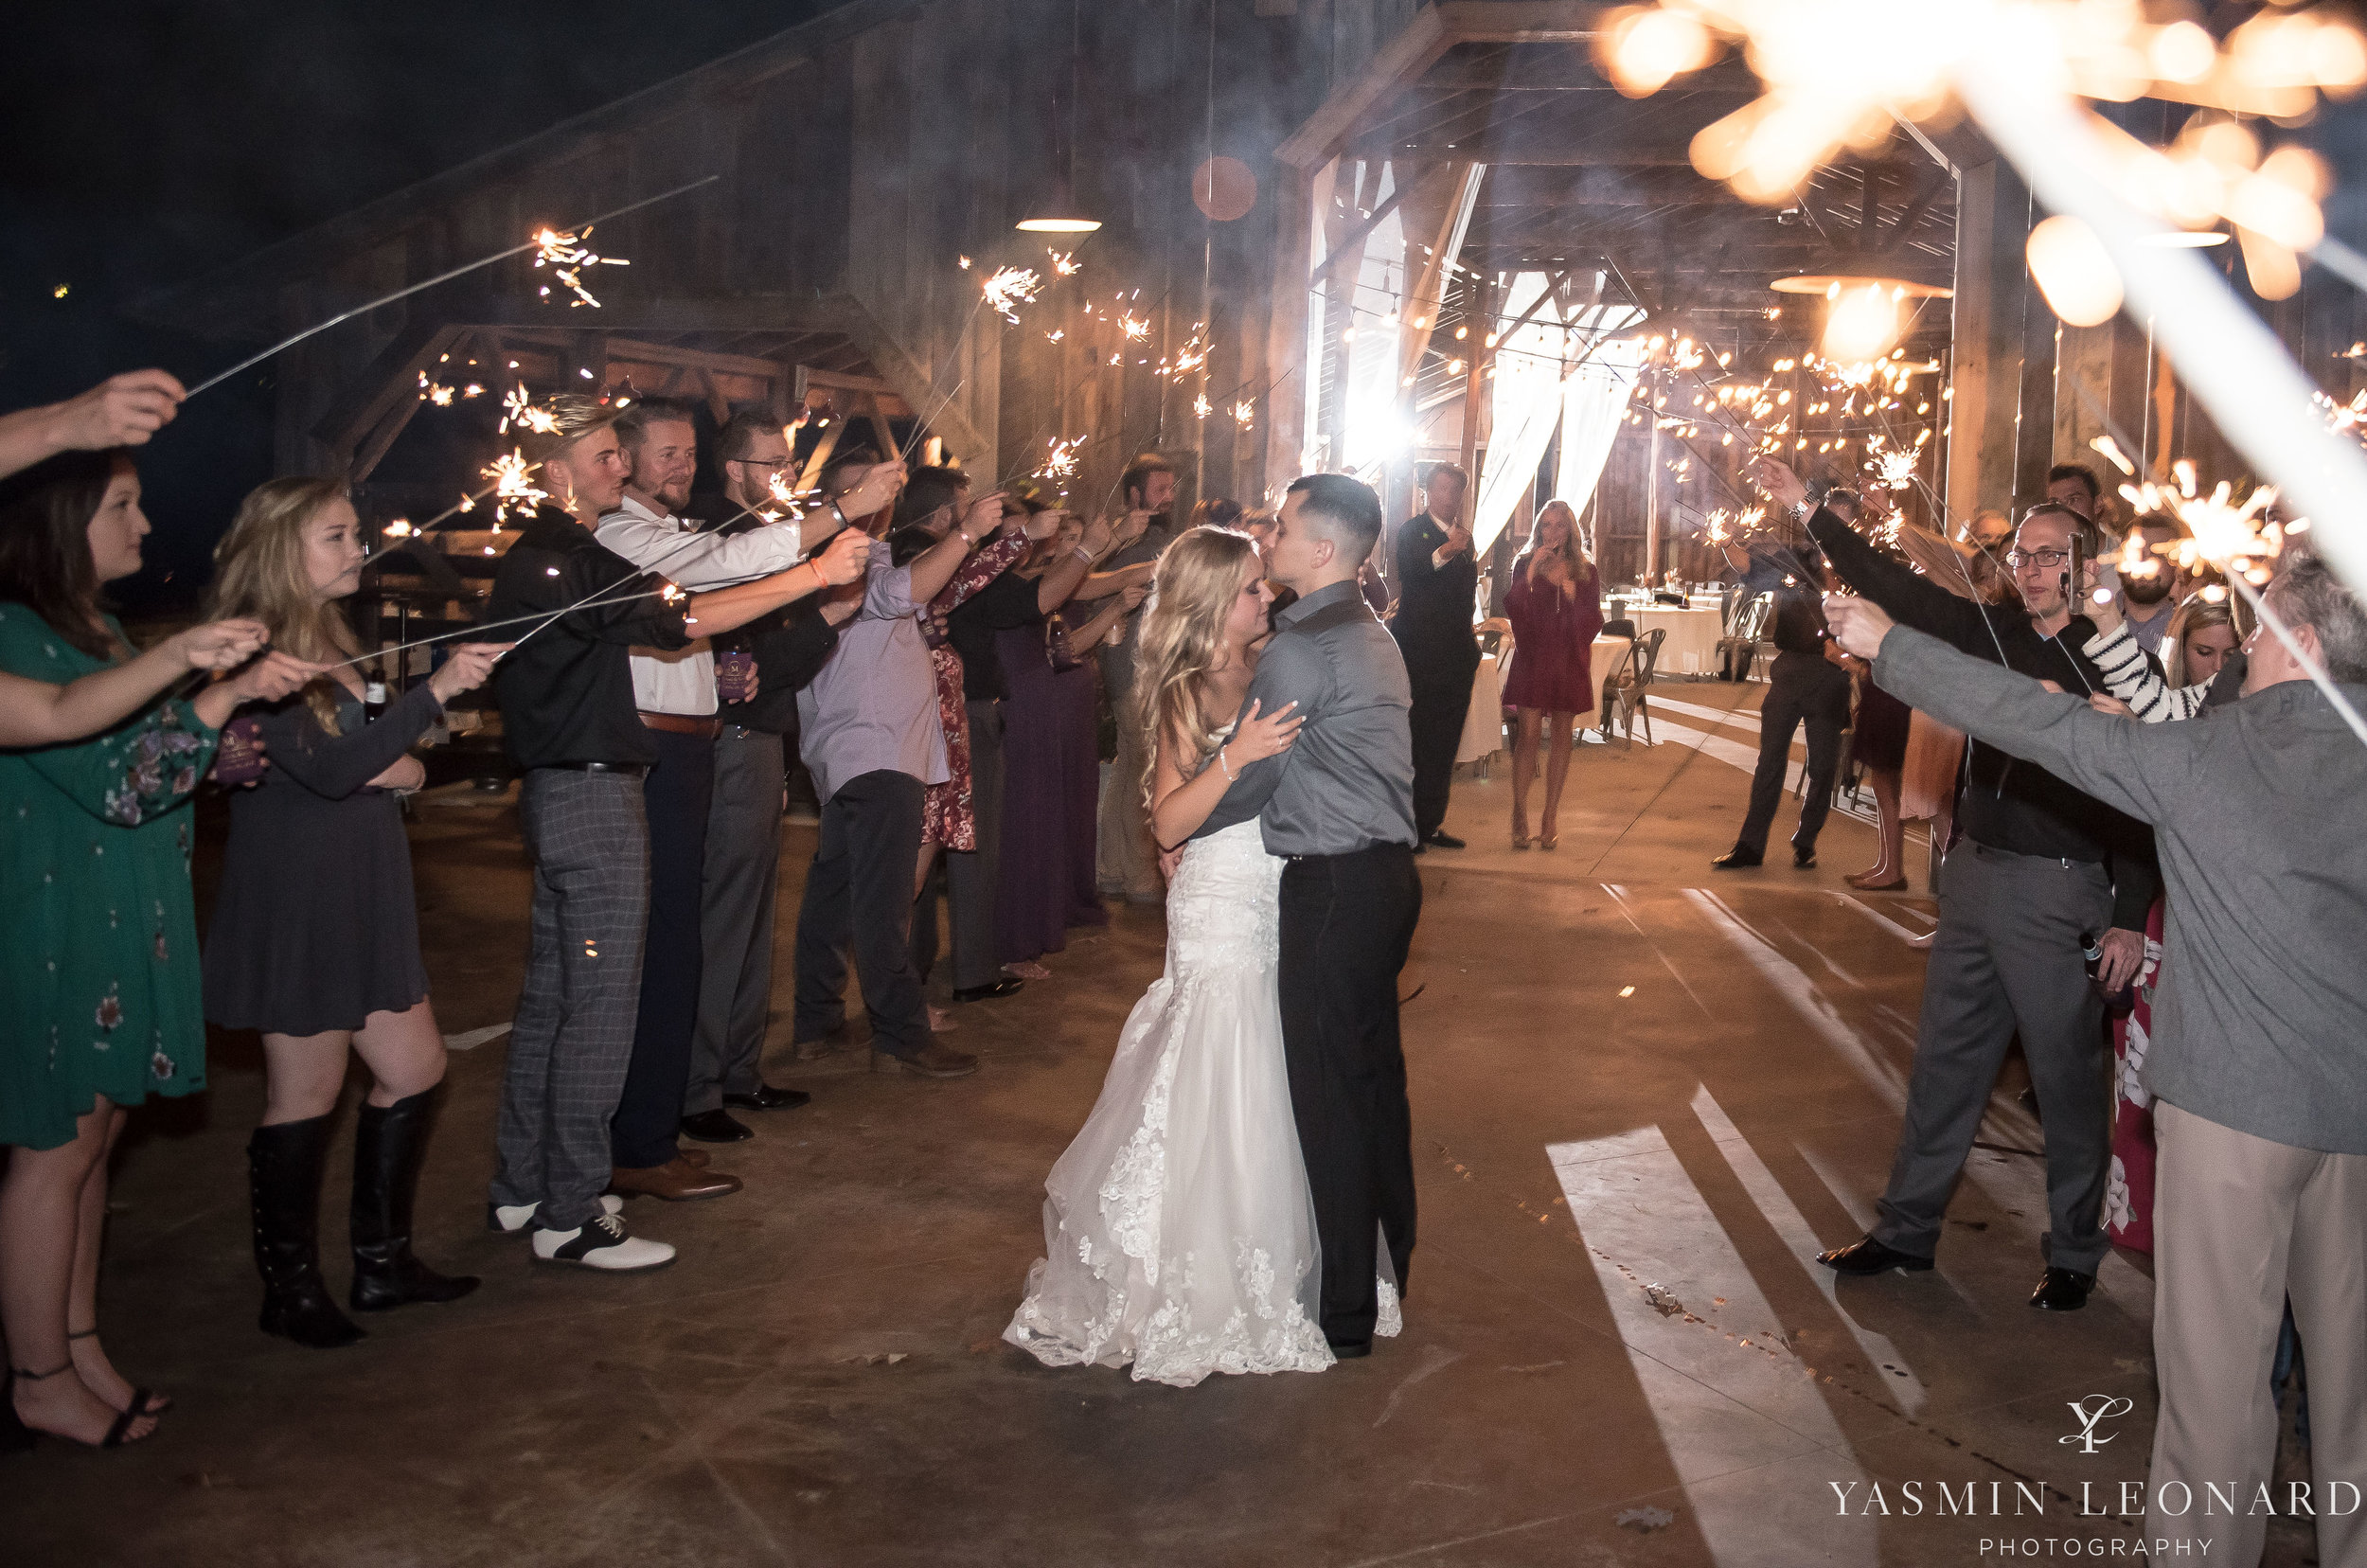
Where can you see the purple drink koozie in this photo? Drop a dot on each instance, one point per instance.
(239, 759)
(735, 675)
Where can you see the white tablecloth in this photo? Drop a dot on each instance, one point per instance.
(1483, 725)
(1691, 646)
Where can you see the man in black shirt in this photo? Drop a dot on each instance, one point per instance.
(571, 726)
(2045, 870)
(1803, 686)
(1437, 583)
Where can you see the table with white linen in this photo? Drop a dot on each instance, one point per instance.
(1691, 646)
(1484, 724)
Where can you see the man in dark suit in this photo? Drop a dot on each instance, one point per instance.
(1437, 577)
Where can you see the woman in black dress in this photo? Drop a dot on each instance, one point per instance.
(314, 939)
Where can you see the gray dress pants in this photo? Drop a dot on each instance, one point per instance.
(743, 869)
(2006, 957)
(572, 1040)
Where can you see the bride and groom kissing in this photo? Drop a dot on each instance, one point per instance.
(1241, 1197)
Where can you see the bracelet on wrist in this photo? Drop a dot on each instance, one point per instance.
(1230, 776)
(840, 512)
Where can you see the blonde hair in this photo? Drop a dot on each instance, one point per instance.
(2195, 615)
(1572, 552)
(572, 416)
(260, 573)
(1183, 636)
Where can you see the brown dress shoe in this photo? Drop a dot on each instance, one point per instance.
(677, 1181)
(696, 1158)
(836, 1041)
(931, 1061)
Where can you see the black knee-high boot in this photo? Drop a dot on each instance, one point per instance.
(386, 1152)
(284, 1173)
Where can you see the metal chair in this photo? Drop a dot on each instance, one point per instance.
(1738, 650)
(1623, 693)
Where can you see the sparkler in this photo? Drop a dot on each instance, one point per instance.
(518, 408)
(512, 486)
(535, 243)
(1006, 288)
(564, 250)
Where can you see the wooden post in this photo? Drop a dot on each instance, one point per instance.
(1472, 385)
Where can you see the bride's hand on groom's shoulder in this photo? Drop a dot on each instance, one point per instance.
(1258, 738)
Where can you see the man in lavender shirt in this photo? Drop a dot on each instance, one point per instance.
(869, 733)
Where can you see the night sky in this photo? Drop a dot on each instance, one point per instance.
(148, 142)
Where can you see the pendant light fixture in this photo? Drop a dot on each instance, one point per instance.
(1058, 212)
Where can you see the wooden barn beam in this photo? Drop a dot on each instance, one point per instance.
(390, 384)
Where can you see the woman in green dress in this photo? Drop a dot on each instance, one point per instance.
(99, 993)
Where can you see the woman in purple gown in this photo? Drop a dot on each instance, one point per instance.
(1556, 605)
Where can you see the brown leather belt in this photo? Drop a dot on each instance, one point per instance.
(682, 723)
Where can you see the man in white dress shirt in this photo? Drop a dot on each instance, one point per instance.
(675, 691)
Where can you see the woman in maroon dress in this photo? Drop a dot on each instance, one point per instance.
(1556, 604)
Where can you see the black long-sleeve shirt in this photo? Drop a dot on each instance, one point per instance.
(566, 691)
(2006, 804)
(1433, 620)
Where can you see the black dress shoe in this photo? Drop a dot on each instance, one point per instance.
(1869, 1257)
(716, 1127)
(2062, 1291)
(1349, 1349)
(989, 991)
(1735, 859)
(1440, 839)
(768, 1098)
(1802, 858)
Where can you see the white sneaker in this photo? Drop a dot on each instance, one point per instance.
(602, 1244)
(512, 1218)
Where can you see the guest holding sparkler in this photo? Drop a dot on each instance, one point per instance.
(121, 410)
(573, 726)
(100, 984)
(1806, 688)
(2259, 1070)
(788, 648)
(1556, 605)
(315, 938)
(2047, 870)
(675, 691)
(870, 730)
(1128, 859)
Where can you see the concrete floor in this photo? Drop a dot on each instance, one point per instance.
(1642, 1096)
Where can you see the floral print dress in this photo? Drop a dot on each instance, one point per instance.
(946, 817)
(99, 989)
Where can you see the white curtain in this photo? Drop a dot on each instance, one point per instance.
(1594, 401)
(1536, 389)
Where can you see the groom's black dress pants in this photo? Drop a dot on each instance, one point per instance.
(1347, 923)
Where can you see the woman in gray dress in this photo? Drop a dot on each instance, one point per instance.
(314, 939)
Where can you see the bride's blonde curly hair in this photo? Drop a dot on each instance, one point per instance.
(1183, 638)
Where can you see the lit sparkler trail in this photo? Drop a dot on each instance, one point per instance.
(1061, 467)
(1244, 414)
(512, 486)
(518, 408)
(1064, 263)
(284, 344)
(564, 252)
(1134, 327)
(1006, 288)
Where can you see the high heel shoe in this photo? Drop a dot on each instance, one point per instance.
(1549, 841)
(144, 1402)
(118, 1432)
(1519, 838)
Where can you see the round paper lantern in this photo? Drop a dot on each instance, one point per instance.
(1225, 188)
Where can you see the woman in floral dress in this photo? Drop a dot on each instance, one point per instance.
(100, 987)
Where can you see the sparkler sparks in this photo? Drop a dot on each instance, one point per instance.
(2237, 539)
(564, 252)
(1006, 288)
(513, 486)
(518, 408)
(1136, 328)
(1061, 466)
(1244, 414)
(1064, 263)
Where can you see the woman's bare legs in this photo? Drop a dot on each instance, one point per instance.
(82, 1307)
(1524, 767)
(1556, 773)
(1892, 830)
(43, 1202)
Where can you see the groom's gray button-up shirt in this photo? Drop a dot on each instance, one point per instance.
(1347, 782)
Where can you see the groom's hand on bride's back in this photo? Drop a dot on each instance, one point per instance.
(1257, 738)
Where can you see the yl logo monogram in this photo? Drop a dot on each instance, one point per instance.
(2107, 1406)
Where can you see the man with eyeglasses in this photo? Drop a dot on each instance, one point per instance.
(2045, 872)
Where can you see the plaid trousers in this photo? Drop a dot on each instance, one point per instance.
(572, 1040)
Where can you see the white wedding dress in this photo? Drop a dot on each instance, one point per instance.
(1179, 1235)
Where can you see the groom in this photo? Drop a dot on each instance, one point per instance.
(1338, 807)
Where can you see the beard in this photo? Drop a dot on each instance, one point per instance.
(2151, 589)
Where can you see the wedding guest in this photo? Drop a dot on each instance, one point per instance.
(572, 726)
(1216, 511)
(316, 940)
(2047, 868)
(2259, 1072)
(1805, 689)
(1554, 602)
(2075, 487)
(1015, 599)
(2147, 599)
(870, 731)
(1437, 577)
(100, 986)
(2194, 648)
(41, 713)
(1128, 866)
(1051, 759)
(1878, 734)
(744, 845)
(121, 410)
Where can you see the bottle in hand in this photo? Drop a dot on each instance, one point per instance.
(735, 675)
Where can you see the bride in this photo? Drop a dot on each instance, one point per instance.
(1179, 1234)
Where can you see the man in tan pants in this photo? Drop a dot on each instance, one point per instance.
(2258, 1069)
